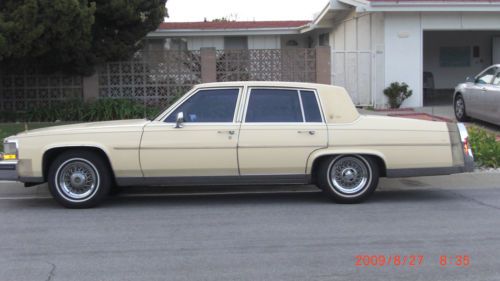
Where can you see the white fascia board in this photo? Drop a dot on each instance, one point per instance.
(433, 7)
(222, 32)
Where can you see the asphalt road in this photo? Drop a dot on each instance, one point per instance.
(278, 233)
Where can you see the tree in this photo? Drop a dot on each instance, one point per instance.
(74, 35)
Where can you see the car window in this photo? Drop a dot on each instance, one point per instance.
(273, 105)
(217, 105)
(486, 77)
(496, 80)
(310, 105)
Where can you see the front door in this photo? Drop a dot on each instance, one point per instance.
(281, 128)
(493, 101)
(475, 98)
(206, 143)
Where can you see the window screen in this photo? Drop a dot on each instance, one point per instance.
(208, 106)
(274, 105)
(311, 108)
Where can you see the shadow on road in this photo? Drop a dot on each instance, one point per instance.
(166, 199)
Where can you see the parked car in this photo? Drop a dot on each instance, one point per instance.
(479, 97)
(238, 133)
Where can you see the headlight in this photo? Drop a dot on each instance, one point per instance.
(10, 150)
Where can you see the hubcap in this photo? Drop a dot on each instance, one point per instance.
(459, 108)
(77, 179)
(349, 175)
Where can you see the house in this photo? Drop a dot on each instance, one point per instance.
(427, 44)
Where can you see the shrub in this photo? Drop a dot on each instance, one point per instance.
(485, 147)
(77, 110)
(397, 93)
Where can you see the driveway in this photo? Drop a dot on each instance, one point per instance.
(248, 233)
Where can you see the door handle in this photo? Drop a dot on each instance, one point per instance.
(310, 132)
(231, 132)
(483, 89)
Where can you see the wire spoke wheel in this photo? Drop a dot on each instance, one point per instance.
(349, 175)
(77, 179)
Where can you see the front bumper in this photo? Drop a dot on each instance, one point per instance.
(8, 171)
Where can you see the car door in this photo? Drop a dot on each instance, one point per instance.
(475, 98)
(493, 101)
(206, 143)
(281, 128)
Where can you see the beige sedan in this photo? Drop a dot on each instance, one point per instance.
(238, 133)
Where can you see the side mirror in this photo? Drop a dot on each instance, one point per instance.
(469, 79)
(179, 120)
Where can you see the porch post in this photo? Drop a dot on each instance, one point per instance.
(323, 65)
(208, 65)
(90, 87)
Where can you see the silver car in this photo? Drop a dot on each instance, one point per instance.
(479, 97)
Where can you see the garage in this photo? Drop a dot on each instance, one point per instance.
(451, 56)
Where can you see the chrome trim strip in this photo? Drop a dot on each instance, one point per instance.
(213, 180)
(126, 148)
(395, 144)
(418, 172)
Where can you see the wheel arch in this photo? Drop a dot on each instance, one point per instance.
(51, 154)
(316, 158)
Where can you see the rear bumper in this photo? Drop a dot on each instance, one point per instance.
(8, 171)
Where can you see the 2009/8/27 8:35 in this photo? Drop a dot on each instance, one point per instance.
(409, 260)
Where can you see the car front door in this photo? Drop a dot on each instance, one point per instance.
(475, 98)
(205, 144)
(493, 101)
(281, 128)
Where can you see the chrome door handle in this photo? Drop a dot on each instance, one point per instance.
(231, 132)
(310, 132)
(483, 89)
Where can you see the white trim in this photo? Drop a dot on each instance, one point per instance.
(224, 32)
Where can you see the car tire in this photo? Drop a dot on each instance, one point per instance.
(79, 179)
(459, 109)
(348, 178)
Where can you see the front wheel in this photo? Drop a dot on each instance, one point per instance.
(79, 179)
(459, 107)
(348, 178)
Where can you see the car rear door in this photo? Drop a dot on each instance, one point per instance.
(206, 143)
(281, 128)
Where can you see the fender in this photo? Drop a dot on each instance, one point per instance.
(336, 151)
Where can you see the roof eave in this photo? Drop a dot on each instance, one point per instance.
(437, 6)
(223, 32)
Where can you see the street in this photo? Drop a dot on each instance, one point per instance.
(256, 233)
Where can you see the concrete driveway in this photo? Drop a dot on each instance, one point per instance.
(256, 233)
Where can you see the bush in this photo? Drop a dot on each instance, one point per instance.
(485, 147)
(397, 93)
(77, 110)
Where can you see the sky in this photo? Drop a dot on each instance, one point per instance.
(197, 10)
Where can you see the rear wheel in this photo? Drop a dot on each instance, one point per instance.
(348, 178)
(79, 179)
(459, 107)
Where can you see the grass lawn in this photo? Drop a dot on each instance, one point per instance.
(9, 129)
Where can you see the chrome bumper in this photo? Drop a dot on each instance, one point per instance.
(8, 171)
(467, 150)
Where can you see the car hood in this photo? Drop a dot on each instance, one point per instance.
(97, 127)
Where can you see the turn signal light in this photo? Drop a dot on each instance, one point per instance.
(9, 157)
(466, 146)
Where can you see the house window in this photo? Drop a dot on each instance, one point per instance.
(178, 44)
(454, 56)
(324, 39)
(234, 42)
